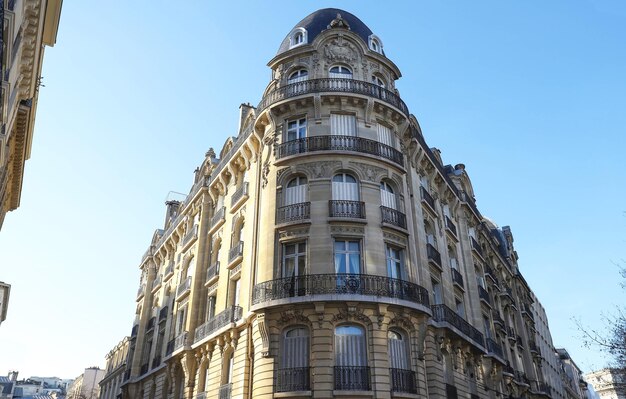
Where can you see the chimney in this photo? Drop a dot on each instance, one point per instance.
(171, 212)
(13, 375)
(244, 110)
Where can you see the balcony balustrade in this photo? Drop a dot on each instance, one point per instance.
(293, 212)
(442, 313)
(352, 378)
(433, 255)
(222, 319)
(339, 143)
(494, 348)
(332, 85)
(169, 270)
(183, 288)
(346, 209)
(483, 294)
(403, 380)
(457, 277)
(292, 380)
(235, 252)
(239, 196)
(393, 217)
(163, 313)
(427, 198)
(224, 391)
(475, 246)
(450, 225)
(180, 340)
(219, 217)
(190, 236)
(337, 284)
(212, 271)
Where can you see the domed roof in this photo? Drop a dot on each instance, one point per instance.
(320, 20)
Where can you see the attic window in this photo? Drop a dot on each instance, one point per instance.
(298, 37)
(375, 44)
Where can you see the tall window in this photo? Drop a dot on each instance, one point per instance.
(340, 71)
(347, 256)
(452, 256)
(298, 76)
(437, 293)
(296, 129)
(395, 262)
(345, 187)
(235, 286)
(351, 371)
(386, 135)
(460, 307)
(294, 259)
(296, 191)
(387, 196)
(210, 307)
(295, 348)
(182, 319)
(342, 125)
(398, 350)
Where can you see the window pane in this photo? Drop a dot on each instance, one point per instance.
(340, 263)
(353, 245)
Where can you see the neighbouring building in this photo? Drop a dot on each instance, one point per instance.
(5, 293)
(328, 251)
(86, 385)
(572, 377)
(7, 385)
(608, 383)
(110, 386)
(27, 26)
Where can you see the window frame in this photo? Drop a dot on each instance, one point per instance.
(346, 253)
(300, 126)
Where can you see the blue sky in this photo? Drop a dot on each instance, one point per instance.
(530, 96)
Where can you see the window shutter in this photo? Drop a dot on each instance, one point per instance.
(342, 125)
(385, 135)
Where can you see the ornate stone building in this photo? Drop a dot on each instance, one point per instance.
(27, 26)
(329, 252)
(110, 385)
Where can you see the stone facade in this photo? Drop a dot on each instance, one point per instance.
(608, 383)
(5, 293)
(27, 26)
(110, 386)
(329, 252)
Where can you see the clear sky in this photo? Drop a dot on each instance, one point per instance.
(530, 96)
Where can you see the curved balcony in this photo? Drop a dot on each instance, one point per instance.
(339, 143)
(339, 287)
(333, 85)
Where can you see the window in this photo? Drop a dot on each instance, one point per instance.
(430, 234)
(298, 37)
(345, 187)
(296, 191)
(182, 319)
(295, 348)
(460, 307)
(298, 76)
(375, 44)
(385, 135)
(294, 259)
(235, 286)
(387, 196)
(210, 307)
(487, 325)
(378, 81)
(398, 350)
(296, 129)
(351, 371)
(340, 71)
(347, 256)
(452, 255)
(437, 294)
(342, 125)
(395, 262)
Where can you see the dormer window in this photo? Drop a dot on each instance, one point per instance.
(298, 76)
(375, 44)
(340, 72)
(298, 37)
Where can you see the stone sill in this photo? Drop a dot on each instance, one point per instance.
(293, 394)
(356, 394)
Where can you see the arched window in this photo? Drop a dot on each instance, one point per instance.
(293, 374)
(430, 234)
(398, 350)
(296, 191)
(375, 44)
(345, 187)
(298, 37)
(351, 371)
(387, 195)
(298, 76)
(378, 81)
(340, 71)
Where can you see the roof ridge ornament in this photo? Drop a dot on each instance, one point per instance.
(339, 22)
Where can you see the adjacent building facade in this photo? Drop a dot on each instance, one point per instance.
(5, 293)
(608, 383)
(86, 385)
(110, 386)
(327, 252)
(27, 26)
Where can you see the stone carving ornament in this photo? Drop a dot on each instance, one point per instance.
(339, 50)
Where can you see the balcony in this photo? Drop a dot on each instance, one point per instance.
(346, 209)
(339, 284)
(224, 391)
(183, 288)
(534, 349)
(527, 311)
(352, 378)
(443, 314)
(222, 319)
(163, 314)
(543, 388)
(428, 199)
(497, 321)
(239, 197)
(218, 219)
(339, 143)
(393, 217)
(170, 347)
(433, 255)
(141, 291)
(492, 275)
(450, 226)
(180, 340)
(169, 270)
(494, 348)
(403, 380)
(293, 213)
(212, 272)
(457, 277)
(521, 378)
(476, 247)
(292, 380)
(157, 283)
(484, 295)
(235, 254)
(190, 237)
(151, 323)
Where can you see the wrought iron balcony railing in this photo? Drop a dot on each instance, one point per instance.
(442, 313)
(346, 209)
(191, 235)
(180, 340)
(222, 319)
(457, 277)
(426, 197)
(339, 143)
(450, 225)
(235, 252)
(494, 348)
(212, 271)
(483, 294)
(224, 391)
(218, 216)
(393, 217)
(292, 380)
(239, 194)
(433, 254)
(337, 284)
(403, 380)
(332, 85)
(352, 378)
(293, 212)
(183, 287)
(475, 246)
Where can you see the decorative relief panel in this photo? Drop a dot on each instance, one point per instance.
(369, 172)
(347, 230)
(318, 170)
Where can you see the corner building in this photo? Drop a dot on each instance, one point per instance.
(328, 252)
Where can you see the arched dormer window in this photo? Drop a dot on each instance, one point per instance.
(340, 71)
(298, 37)
(375, 44)
(298, 76)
